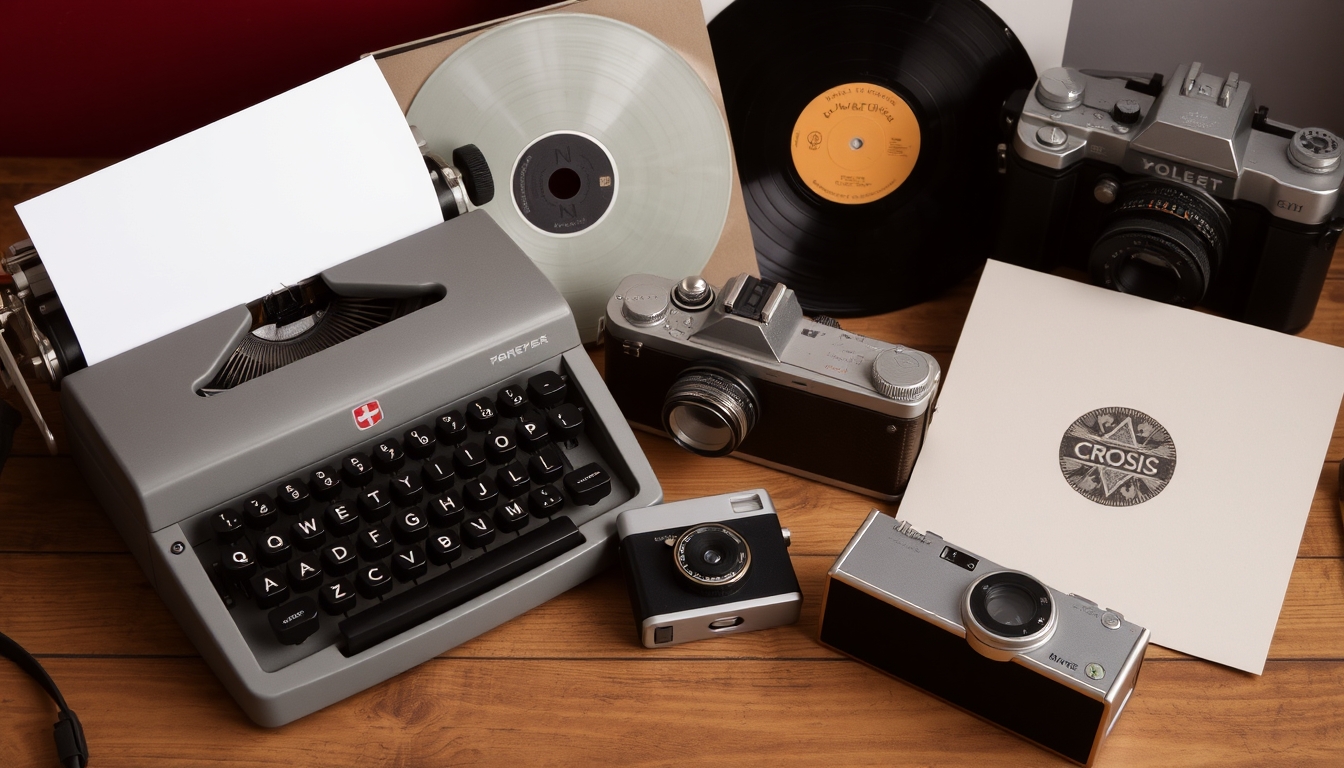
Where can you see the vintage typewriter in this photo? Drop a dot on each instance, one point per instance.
(342, 480)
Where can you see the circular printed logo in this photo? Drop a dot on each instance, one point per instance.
(1117, 456)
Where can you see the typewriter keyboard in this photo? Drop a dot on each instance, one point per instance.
(410, 524)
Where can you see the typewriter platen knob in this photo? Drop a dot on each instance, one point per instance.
(470, 162)
(902, 374)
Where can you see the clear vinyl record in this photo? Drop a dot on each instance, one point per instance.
(614, 154)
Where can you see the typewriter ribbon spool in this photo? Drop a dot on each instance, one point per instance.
(617, 157)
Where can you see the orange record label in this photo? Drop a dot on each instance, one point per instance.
(855, 143)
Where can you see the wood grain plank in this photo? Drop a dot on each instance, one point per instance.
(103, 605)
(663, 712)
(45, 506)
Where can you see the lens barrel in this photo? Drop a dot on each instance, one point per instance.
(713, 558)
(1163, 242)
(709, 411)
(1006, 613)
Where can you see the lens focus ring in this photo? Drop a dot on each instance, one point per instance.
(713, 558)
(709, 411)
(1163, 241)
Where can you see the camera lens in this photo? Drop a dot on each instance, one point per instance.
(709, 411)
(1006, 613)
(1010, 605)
(1163, 242)
(713, 558)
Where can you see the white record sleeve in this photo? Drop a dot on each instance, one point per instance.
(1157, 460)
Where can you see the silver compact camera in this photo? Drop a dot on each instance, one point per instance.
(707, 567)
(1050, 667)
(1183, 192)
(740, 370)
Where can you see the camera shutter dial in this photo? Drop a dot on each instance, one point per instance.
(1314, 150)
(1060, 88)
(645, 304)
(902, 374)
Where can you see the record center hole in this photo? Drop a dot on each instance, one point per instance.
(564, 183)
(856, 143)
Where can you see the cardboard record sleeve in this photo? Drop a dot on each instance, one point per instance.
(677, 23)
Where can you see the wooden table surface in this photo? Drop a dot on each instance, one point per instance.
(568, 684)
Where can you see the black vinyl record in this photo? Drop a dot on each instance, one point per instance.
(866, 133)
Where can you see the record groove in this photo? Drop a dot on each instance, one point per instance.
(866, 237)
(614, 154)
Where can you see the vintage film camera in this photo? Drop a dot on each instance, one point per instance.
(1183, 193)
(741, 371)
(1053, 668)
(706, 567)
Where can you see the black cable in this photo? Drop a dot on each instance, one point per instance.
(69, 734)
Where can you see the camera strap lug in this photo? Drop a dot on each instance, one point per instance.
(631, 348)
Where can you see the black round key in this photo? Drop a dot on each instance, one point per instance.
(227, 526)
(481, 414)
(499, 446)
(566, 422)
(259, 511)
(420, 441)
(410, 526)
(357, 469)
(305, 573)
(511, 516)
(373, 580)
(374, 543)
(388, 455)
(451, 428)
(478, 531)
(446, 509)
(308, 532)
(469, 459)
(238, 561)
(406, 488)
(545, 501)
(437, 474)
(444, 548)
(338, 597)
(338, 558)
(293, 496)
(324, 483)
(547, 465)
(512, 479)
(409, 564)
(546, 389)
(273, 549)
(341, 518)
(511, 401)
(294, 621)
(375, 503)
(532, 431)
(480, 494)
(269, 589)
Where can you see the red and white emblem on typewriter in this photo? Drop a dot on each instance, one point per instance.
(367, 415)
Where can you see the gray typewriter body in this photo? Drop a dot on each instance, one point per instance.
(161, 457)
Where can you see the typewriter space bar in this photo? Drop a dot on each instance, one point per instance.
(453, 588)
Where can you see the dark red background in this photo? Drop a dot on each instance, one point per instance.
(80, 78)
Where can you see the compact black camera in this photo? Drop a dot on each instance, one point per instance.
(1182, 193)
(742, 371)
(706, 567)
(1054, 668)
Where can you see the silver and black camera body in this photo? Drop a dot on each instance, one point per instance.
(742, 371)
(707, 567)
(1183, 192)
(1053, 668)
